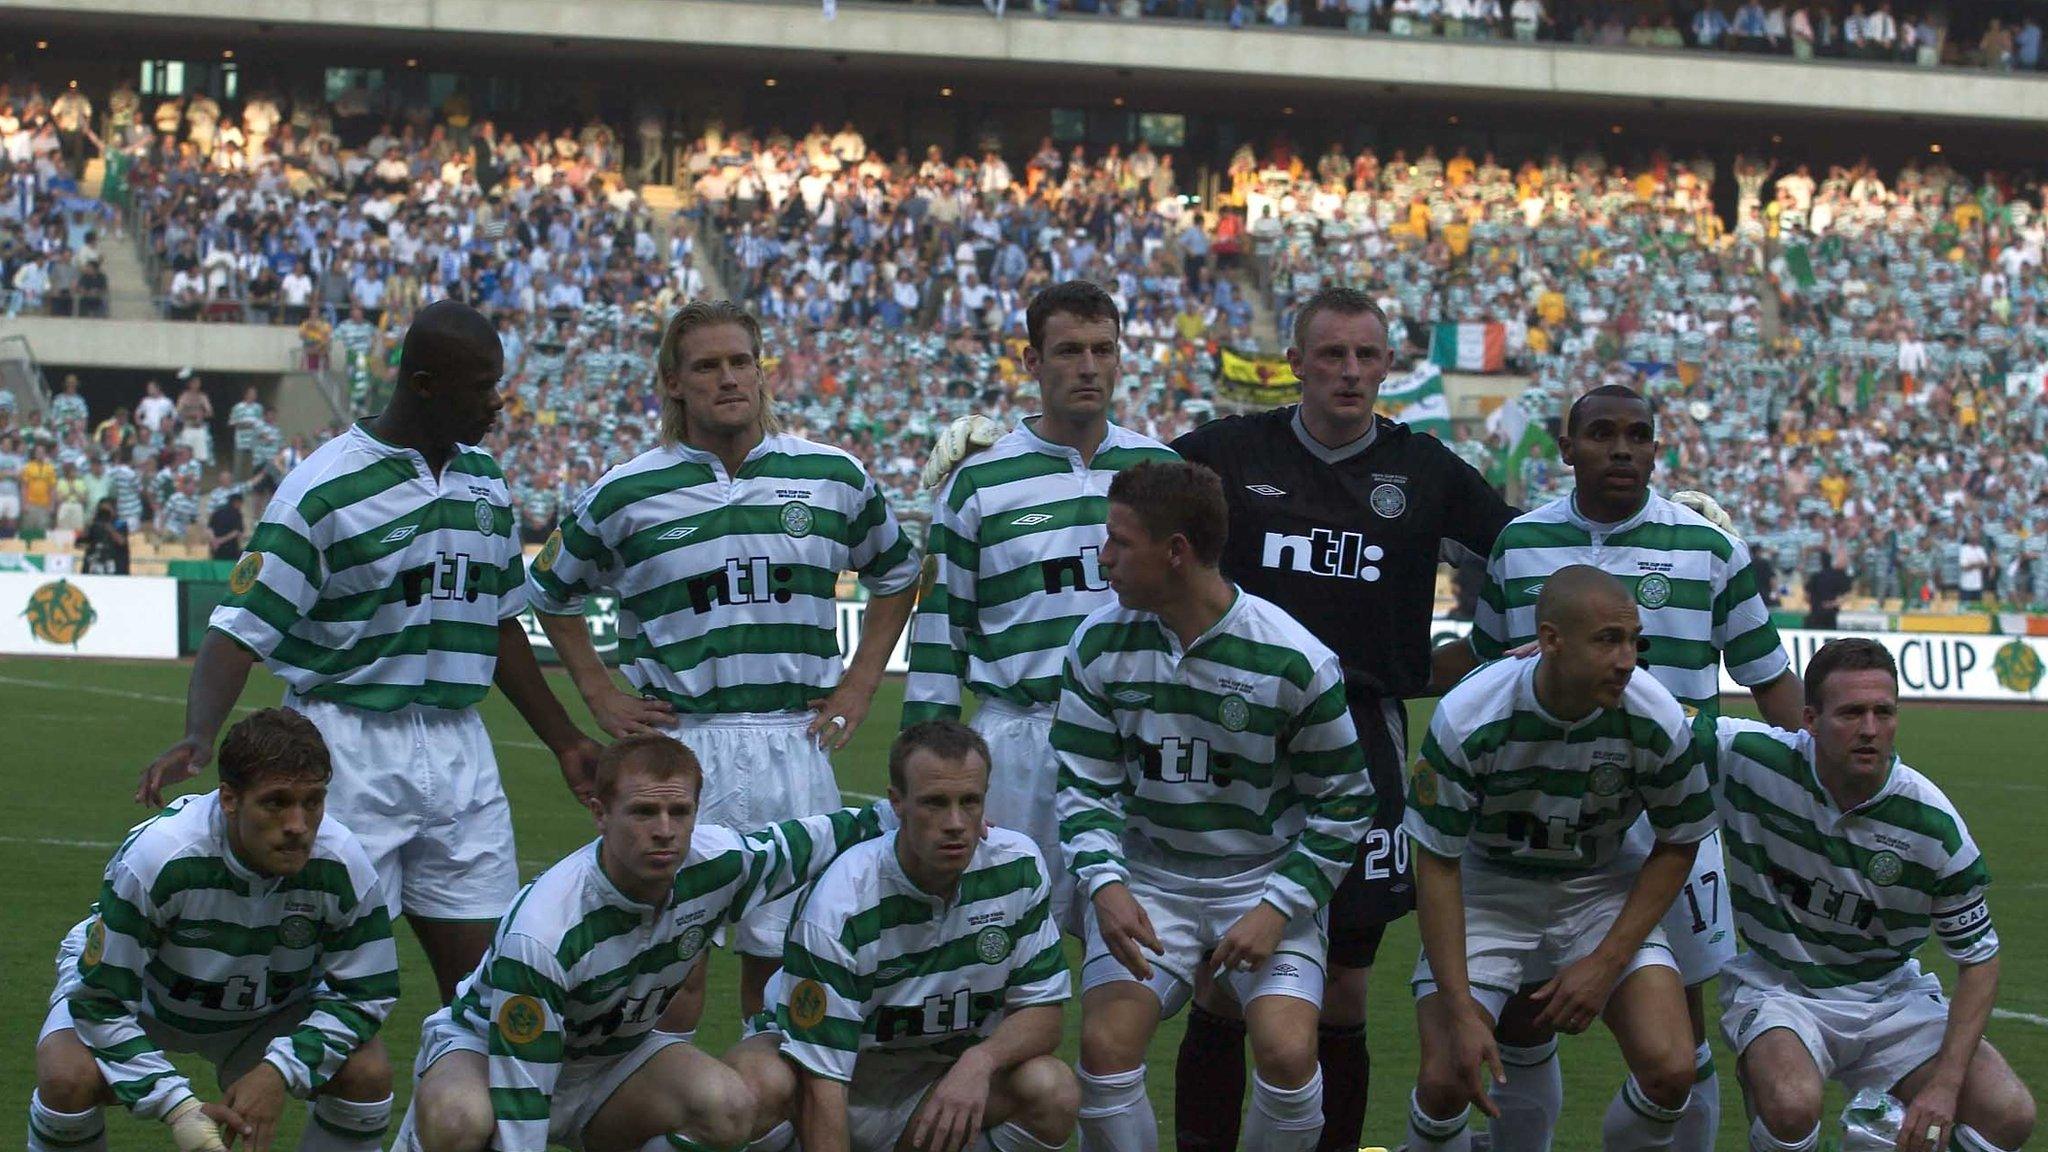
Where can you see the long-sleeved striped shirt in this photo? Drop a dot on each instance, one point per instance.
(1838, 902)
(578, 971)
(186, 935)
(1235, 754)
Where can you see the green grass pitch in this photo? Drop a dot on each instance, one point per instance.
(77, 732)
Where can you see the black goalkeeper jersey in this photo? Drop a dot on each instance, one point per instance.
(1347, 541)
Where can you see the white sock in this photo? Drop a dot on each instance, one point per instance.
(1634, 1121)
(1426, 1133)
(1531, 1100)
(52, 1131)
(1970, 1140)
(1702, 1121)
(1761, 1140)
(1115, 1114)
(1014, 1137)
(1284, 1119)
(780, 1138)
(337, 1125)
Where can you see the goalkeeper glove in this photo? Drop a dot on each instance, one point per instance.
(192, 1130)
(1709, 510)
(966, 436)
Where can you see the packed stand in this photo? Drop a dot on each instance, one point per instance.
(51, 236)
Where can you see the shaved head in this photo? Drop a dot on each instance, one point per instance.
(448, 335)
(1574, 592)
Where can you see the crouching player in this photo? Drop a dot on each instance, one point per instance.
(1529, 779)
(552, 1039)
(241, 926)
(1212, 793)
(921, 992)
(1841, 859)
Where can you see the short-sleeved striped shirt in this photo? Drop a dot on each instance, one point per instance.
(1013, 546)
(1235, 754)
(875, 963)
(1503, 781)
(577, 971)
(726, 584)
(1838, 902)
(186, 935)
(1693, 585)
(372, 582)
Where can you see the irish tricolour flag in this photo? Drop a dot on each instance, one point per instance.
(1469, 347)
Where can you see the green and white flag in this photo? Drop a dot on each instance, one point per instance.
(1417, 400)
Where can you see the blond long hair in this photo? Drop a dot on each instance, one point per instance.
(689, 318)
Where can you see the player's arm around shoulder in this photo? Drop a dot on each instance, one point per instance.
(791, 854)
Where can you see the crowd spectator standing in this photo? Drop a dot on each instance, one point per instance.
(1854, 363)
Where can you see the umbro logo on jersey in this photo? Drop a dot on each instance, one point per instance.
(1264, 490)
(400, 533)
(677, 533)
(1133, 697)
(1031, 521)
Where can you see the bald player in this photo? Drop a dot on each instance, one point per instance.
(1530, 777)
(383, 586)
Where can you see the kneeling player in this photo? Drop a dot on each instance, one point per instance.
(1530, 776)
(919, 1002)
(241, 926)
(1212, 793)
(552, 1038)
(1840, 860)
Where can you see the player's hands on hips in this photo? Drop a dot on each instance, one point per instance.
(1709, 509)
(1477, 1054)
(258, 1098)
(1125, 927)
(963, 438)
(1575, 997)
(1931, 1116)
(1250, 941)
(579, 768)
(840, 714)
(181, 762)
(952, 1116)
(622, 714)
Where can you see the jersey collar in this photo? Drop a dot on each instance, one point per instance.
(894, 875)
(1222, 624)
(1525, 687)
(1324, 452)
(1029, 427)
(610, 890)
(1599, 528)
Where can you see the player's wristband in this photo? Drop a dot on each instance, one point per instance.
(192, 1130)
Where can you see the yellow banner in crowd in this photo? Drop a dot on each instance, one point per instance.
(1252, 378)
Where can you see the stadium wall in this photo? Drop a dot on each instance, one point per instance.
(965, 40)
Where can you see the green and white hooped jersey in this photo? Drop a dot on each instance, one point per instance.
(577, 971)
(1693, 584)
(1502, 781)
(1235, 755)
(373, 583)
(1838, 902)
(1014, 540)
(726, 583)
(187, 935)
(874, 963)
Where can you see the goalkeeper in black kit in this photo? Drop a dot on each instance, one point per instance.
(1338, 516)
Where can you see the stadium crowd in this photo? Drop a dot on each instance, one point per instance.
(1888, 333)
(1876, 31)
